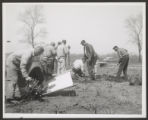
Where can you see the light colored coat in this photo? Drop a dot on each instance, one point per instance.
(61, 58)
(18, 63)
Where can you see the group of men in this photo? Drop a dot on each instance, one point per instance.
(54, 58)
(90, 58)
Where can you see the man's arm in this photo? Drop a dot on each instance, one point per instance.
(24, 61)
(65, 51)
(54, 52)
(89, 52)
(119, 54)
(120, 57)
(82, 67)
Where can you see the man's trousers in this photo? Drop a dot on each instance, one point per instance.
(61, 66)
(11, 82)
(123, 66)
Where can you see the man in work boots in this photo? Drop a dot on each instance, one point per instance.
(123, 61)
(91, 58)
(18, 64)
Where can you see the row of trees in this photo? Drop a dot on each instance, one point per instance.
(33, 21)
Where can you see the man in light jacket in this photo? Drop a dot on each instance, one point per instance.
(18, 63)
(123, 61)
(61, 57)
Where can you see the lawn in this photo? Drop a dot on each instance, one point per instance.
(103, 96)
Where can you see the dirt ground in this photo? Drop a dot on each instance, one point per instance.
(103, 96)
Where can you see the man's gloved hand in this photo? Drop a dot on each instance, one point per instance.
(89, 61)
(56, 58)
(120, 60)
(28, 79)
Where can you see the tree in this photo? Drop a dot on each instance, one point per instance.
(33, 20)
(134, 25)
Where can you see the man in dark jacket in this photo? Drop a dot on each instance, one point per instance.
(91, 58)
(18, 63)
(68, 57)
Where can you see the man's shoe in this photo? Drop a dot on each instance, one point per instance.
(117, 79)
(93, 78)
(125, 78)
(10, 101)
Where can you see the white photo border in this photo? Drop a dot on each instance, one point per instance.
(144, 104)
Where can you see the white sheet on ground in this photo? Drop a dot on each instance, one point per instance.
(61, 82)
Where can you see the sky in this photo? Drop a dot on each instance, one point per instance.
(100, 24)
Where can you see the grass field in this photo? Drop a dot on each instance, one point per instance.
(103, 96)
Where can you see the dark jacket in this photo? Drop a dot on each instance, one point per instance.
(90, 54)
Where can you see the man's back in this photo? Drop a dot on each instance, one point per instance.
(122, 52)
(78, 64)
(61, 51)
(49, 51)
(22, 60)
(90, 53)
(18, 55)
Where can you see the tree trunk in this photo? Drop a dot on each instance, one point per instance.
(32, 37)
(139, 47)
(139, 55)
(32, 42)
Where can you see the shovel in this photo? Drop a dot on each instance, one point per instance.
(115, 68)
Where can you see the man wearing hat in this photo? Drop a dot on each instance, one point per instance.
(68, 57)
(91, 58)
(18, 63)
(47, 59)
(61, 57)
(123, 61)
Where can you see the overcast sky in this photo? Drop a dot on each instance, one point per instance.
(102, 25)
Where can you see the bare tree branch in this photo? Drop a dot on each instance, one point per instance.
(32, 18)
(134, 25)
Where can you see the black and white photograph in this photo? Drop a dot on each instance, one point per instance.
(74, 60)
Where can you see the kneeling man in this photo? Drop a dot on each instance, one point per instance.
(78, 67)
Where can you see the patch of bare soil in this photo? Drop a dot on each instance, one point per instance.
(105, 95)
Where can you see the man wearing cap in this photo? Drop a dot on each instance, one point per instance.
(68, 57)
(56, 61)
(91, 58)
(61, 57)
(18, 63)
(47, 59)
(123, 61)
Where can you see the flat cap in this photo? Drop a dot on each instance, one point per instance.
(83, 41)
(115, 47)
